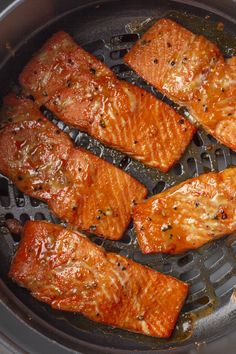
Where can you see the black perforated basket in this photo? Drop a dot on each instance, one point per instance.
(108, 30)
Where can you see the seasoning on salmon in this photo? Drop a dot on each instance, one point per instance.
(190, 70)
(80, 188)
(214, 104)
(68, 272)
(189, 215)
(173, 59)
(84, 93)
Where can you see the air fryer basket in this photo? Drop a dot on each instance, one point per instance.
(108, 30)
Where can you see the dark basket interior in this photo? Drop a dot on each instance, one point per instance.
(108, 31)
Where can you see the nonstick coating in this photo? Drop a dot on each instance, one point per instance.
(108, 30)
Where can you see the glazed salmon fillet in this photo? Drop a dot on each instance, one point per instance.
(190, 70)
(188, 215)
(84, 93)
(67, 271)
(214, 104)
(80, 188)
(173, 59)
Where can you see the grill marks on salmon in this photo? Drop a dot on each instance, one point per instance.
(188, 215)
(173, 59)
(214, 104)
(65, 270)
(87, 95)
(80, 188)
(190, 70)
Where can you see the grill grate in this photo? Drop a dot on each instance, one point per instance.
(210, 271)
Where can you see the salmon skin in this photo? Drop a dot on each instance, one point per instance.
(214, 104)
(67, 271)
(80, 188)
(189, 215)
(191, 71)
(85, 93)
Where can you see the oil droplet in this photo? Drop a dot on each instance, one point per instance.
(184, 327)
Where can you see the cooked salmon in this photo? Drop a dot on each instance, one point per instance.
(173, 59)
(67, 271)
(214, 104)
(80, 188)
(84, 93)
(190, 70)
(188, 215)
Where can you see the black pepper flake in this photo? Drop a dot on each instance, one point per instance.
(199, 99)
(92, 227)
(142, 228)
(149, 219)
(175, 208)
(93, 71)
(142, 94)
(97, 314)
(144, 42)
(155, 61)
(35, 72)
(172, 63)
(20, 178)
(68, 83)
(196, 204)
(102, 123)
(134, 202)
(205, 109)
(74, 208)
(39, 119)
(222, 90)
(98, 217)
(135, 141)
(140, 318)
(79, 169)
(123, 268)
(58, 132)
(185, 58)
(170, 236)
(169, 45)
(181, 121)
(69, 61)
(166, 227)
(229, 114)
(223, 215)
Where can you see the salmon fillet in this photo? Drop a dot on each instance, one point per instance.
(84, 93)
(214, 104)
(173, 59)
(67, 271)
(190, 70)
(80, 188)
(189, 215)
